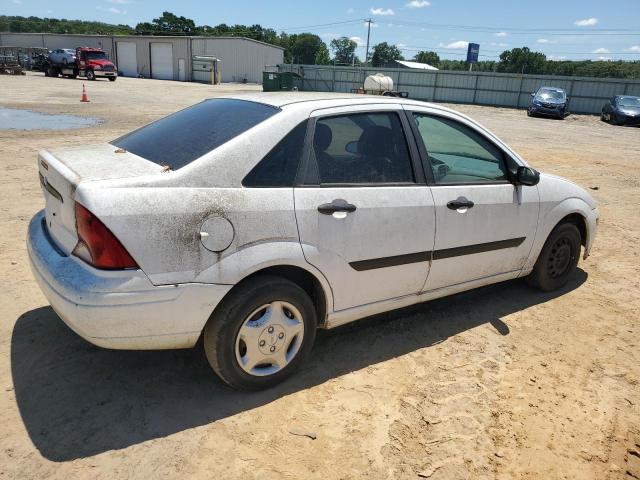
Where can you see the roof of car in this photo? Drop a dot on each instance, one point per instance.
(281, 99)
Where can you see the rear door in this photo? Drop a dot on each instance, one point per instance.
(365, 215)
(485, 225)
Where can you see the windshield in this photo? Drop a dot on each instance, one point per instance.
(179, 139)
(96, 55)
(629, 101)
(547, 95)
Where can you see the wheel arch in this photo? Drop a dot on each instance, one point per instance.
(579, 221)
(572, 210)
(317, 289)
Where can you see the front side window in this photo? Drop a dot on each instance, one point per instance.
(458, 154)
(179, 139)
(362, 148)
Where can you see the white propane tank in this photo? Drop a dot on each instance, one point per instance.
(378, 83)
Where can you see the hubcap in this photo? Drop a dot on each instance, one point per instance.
(560, 258)
(269, 338)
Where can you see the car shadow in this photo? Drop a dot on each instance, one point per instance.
(77, 400)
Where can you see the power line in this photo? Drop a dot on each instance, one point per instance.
(518, 31)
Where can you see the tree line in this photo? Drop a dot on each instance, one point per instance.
(308, 48)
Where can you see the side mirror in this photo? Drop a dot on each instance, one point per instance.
(527, 176)
(352, 147)
(533, 94)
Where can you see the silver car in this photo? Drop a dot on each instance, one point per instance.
(63, 56)
(254, 220)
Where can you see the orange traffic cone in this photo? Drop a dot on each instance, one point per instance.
(84, 95)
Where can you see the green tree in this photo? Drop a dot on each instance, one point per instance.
(522, 60)
(167, 24)
(343, 50)
(307, 48)
(432, 58)
(383, 53)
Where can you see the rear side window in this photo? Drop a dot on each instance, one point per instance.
(362, 148)
(179, 139)
(279, 167)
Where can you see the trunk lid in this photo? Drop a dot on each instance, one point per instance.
(62, 170)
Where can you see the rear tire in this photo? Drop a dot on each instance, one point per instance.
(558, 258)
(264, 314)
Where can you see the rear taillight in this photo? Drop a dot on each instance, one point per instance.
(97, 245)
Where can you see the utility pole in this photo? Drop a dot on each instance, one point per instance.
(366, 55)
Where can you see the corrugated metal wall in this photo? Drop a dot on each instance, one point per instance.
(53, 41)
(586, 94)
(240, 58)
(180, 45)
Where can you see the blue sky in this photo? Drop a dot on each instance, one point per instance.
(562, 29)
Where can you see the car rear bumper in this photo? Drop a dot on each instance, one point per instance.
(118, 309)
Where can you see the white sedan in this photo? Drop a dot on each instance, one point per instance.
(254, 220)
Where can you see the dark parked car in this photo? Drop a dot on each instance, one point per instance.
(550, 101)
(622, 110)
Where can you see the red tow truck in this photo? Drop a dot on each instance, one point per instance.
(89, 62)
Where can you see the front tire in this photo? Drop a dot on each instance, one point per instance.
(261, 333)
(112, 79)
(558, 258)
(90, 75)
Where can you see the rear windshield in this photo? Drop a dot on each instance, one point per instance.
(179, 139)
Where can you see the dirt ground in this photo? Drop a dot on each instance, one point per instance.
(503, 382)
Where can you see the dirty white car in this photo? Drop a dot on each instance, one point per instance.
(254, 220)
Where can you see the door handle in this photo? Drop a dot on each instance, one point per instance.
(337, 205)
(460, 202)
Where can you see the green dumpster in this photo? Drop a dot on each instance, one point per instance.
(277, 81)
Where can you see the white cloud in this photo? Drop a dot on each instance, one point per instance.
(381, 11)
(358, 40)
(556, 57)
(16, 2)
(418, 4)
(112, 10)
(401, 45)
(350, 10)
(605, 59)
(635, 48)
(119, 2)
(459, 45)
(499, 44)
(586, 22)
(545, 40)
(501, 34)
(601, 50)
(373, 24)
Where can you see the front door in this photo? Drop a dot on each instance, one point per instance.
(485, 225)
(365, 215)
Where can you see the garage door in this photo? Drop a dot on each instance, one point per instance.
(162, 61)
(127, 59)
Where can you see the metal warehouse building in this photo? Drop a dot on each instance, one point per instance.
(168, 58)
